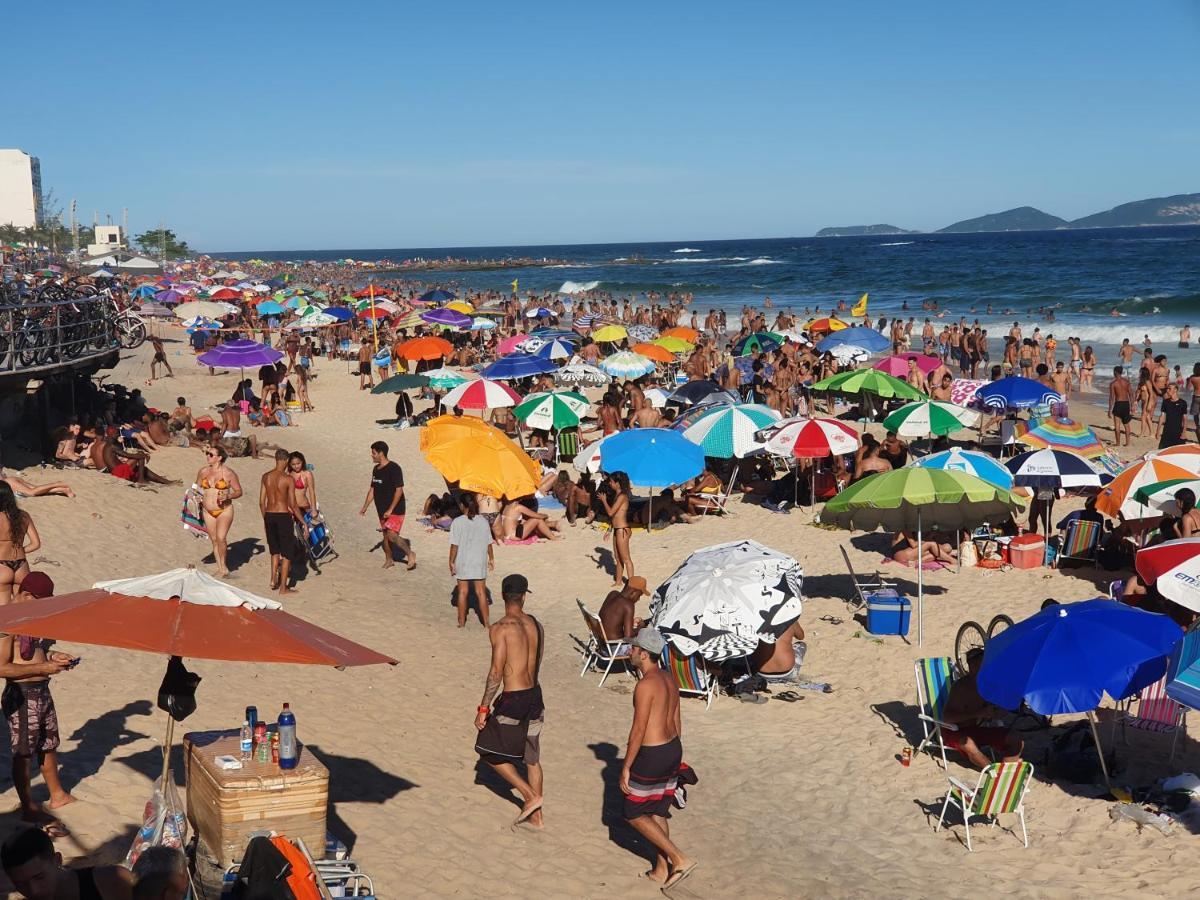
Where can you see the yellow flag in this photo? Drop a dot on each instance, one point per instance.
(514, 283)
(860, 308)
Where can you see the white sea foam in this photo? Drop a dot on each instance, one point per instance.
(578, 287)
(897, 244)
(569, 266)
(686, 250)
(761, 261)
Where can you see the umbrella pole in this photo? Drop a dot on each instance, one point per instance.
(920, 583)
(167, 741)
(1099, 749)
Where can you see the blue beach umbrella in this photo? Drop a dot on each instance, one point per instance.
(555, 349)
(270, 308)
(145, 290)
(1183, 671)
(437, 295)
(479, 323)
(652, 457)
(517, 365)
(1015, 392)
(972, 462)
(856, 336)
(340, 313)
(1054, 469)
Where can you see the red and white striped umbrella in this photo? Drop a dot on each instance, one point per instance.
(481, 394)
(1174, 568)
(810, 438)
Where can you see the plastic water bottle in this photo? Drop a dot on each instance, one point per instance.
(289, 753)
(247, 741)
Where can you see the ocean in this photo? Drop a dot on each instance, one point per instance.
(1149, 276)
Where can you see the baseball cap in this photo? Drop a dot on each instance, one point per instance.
(650, 640)
(513, 585)
(39, 584)
(638, 583)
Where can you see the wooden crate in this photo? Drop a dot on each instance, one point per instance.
(225, 807)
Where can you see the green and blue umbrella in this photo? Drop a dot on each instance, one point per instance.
(731, 431)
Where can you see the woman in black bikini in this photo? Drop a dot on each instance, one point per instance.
(618, 513)
(18, 537)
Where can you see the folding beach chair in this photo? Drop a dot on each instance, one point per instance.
(863, 590)
(600, 651)
(716, 501)
(691, 676)
(1157, 713)
(934, 677)
(567, 445)
(1081, 541)
(1001, 789)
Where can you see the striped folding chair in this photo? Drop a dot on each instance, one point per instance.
(1001, 789)
(1157, 713)
(693, 679)
(934, 677)
(1081, 541)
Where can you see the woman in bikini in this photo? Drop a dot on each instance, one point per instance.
(618, 513)
(18, 537)
(305, 482)
(221, 487)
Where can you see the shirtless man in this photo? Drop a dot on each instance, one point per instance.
(1061, 380)
(27, 664)
(277, 503)
(609, 415)
(511, 728)
(916, 377)
(966, 708)
(160, 358)
(364, 366)
(650, 775)
(132, 467)
(1160, 377)
(942, 390)
(646, 417)
(618, 611)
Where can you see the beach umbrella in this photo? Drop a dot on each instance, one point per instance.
(981, 465)
(270, 308)
(1160, 496)
(170, 295)
(425, 348)
(154, 310)
(898, 365)
(1185, 456)
(461, 306)
(823, 325)
(809, 438)
(673, 344)
(538, 312)
(855, 336)
(341, 313)
(642, 333)
(691, 335)
(442, 379)
(201, 309)
(588, 459)
(511, 344)
(480, 394)
(1118, 497)
(1065, 434)
(926, 417)
(725, 432)
(240, 353)
(656, 397)
(654, 352)
(401, 382)
(1174, 568)
(371, 290)
(627, 365)
(1065, 658)
(479, 323)
(849, 354)
(556, 349)
(609, 334)
(199, 323)
(480, 460)
(1183, 670)
(581, 375)
(963, 390)
(226, 294)
(437, 295)
(317, 319)
(296, 301)
(913, 499)
(517, 365)
(141, 291)
(551, 334)
(701, 391)
(723, 600)
(1015, 392)
(552, 409)
(1053, 469)
(652, 457)
(869, 381)
(763, 343)
(373, 314)
(450, 318)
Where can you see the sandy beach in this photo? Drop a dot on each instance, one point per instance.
(800, 799)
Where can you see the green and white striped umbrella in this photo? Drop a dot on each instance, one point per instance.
(728, 431)
(926, 417)
(552, 409)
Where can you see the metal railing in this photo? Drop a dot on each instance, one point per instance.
(37, 335)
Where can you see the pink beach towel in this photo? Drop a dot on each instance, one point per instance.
(532, 539)
(928, 567)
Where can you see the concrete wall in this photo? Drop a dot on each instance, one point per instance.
(20, 189)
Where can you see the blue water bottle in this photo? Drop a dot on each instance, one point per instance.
(289, 751)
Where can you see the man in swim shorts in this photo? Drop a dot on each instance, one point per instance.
(1120, 394)
(387, 490)
(277, 503)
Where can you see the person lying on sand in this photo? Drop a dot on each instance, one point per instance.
(904, 550)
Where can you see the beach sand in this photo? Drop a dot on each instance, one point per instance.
(801, 799)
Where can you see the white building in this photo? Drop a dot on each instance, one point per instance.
(105, 239)
(20, 189)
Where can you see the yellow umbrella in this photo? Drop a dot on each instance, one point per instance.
(610, 334)
(442, 429)
(411, 320)
(482, 460)
(674, 344)
(461, 306)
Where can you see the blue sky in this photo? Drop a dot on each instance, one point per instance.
(264, 125)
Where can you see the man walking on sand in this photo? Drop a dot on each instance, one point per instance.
(653, 757)
(27, 664)
(510, 730)
(364, 366)
(1120, 397)
(277, 503)
(387, 490)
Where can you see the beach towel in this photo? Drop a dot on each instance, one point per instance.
(532, 539)
(928, 567)
(192, 514)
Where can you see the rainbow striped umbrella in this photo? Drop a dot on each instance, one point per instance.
(1065, 434)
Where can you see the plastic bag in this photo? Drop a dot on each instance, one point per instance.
(163, 823)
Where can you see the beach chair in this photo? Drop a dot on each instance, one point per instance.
(691, 676)
(1001, 789)
(567, 445)
(934, 677)
(600, 651)
(716, 501)
(863, 590)
(1157, 713)
(1081, 541)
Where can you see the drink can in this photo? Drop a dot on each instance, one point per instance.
(252, 716)
(275, 747)
(906, 756)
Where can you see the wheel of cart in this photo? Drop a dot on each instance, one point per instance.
(973, 636)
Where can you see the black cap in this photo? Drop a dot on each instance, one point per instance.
(514, 585)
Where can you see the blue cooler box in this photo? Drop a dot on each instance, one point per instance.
(888, 612)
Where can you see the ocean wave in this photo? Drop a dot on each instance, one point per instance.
(761, 261)
(578, 287)
(897, 244)
(570, 266)
(699, 259)
(686, 250)
(1162, 336)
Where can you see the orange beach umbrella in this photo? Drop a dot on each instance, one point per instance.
(691, 335)
(425, 348)
(654, 352)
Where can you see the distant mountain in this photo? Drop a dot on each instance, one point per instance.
(854, 230)
(1181, 209)
(1023, 218)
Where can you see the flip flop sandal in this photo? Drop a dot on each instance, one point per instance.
(832, 620)
(788, 697)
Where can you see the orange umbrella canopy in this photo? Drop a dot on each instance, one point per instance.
(1117, 496)
(691, 335)
(371, 291)
(654, 352)
(479, 457)
(426, 348)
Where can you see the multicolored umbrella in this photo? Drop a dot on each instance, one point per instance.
(869, 381)
(1185, 456)
(823, 325)
(1174, 568)
(898, 365)
(627, 365)
(926, 417)
(642, 333)
(1160, 496)
(556, 349)
(552, 409)
(805, 438)
(480, 394)
(1065, 434)
(970, 461)
(1117, 499)
(740, 590)
(731, 431)
(760, 341)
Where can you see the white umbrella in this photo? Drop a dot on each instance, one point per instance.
(581, 374)
(657, 397)
(198, 587)
(588, 459)
(202, 309)
(850, 353)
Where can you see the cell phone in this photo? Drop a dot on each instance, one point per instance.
(76, 661)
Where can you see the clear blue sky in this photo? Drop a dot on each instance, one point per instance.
(269, 125)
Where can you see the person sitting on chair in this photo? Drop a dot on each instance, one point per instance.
(967, 709)
(781, 660)
(618, 611)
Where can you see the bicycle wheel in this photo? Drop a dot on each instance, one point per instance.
(997, 625)
(970, 637)
(131, 331)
